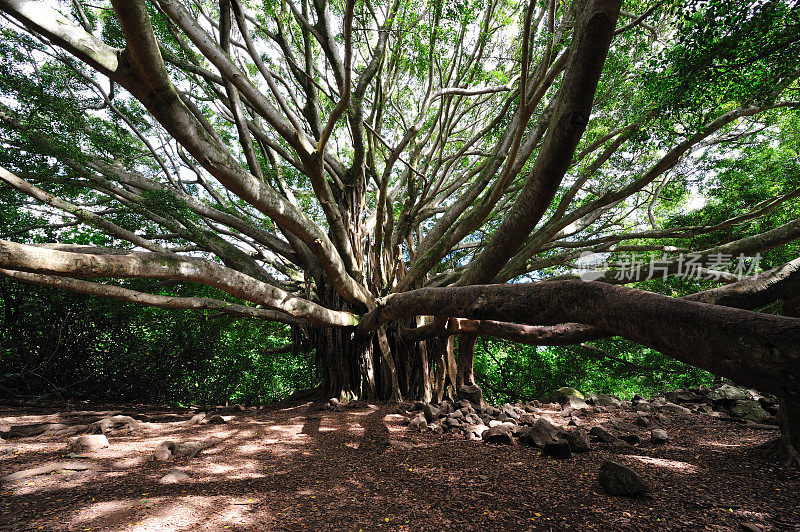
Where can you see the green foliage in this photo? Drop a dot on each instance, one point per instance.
(727, 52)
(58, 345)
(513, 372)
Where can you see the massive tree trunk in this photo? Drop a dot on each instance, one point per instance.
(384, 365)
(354, 367)
(789, 409)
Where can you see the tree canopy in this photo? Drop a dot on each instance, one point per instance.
(382, 177)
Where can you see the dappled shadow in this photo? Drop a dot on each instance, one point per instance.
(305, 468)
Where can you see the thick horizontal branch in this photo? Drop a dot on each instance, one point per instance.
(33, 259)
(755, 349)
(152, 300)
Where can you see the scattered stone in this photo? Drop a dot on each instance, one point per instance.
(563, 394)
(509, 411)
(418, 423)
(749, 410)
(641, 421)
(672, 408)
(540, 434)
(499, 434)
(616, 479)
(430, 412)
(660, 418)
(475, 432)
(602, 435)
(436, 428)
(608, 401)
(87, 442)
(632, 439)
(643, 406)
(726, 392)
(557, 449)
(683, 396)
(659, 436)
(174, 477)
(578, 441)
(471, 393)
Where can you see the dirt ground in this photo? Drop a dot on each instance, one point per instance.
(298, 467)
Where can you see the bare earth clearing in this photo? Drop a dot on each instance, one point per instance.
(299, 467)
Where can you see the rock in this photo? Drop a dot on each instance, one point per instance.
(749, 410)
(458, 414)
(575, 403)
(509, 411)
(452, 423)
(683, 396)
(622, 427)
(562, 394)
(526, 419)
(436, 428)
(174, 477)
(471, 393)
(578, 441)
(616, 479)
(770, 404)
(632, 439)
(557, 449)
(658, 436)
(87, 442)
(672, 408)
(499, 434)
(641, 421)
(660, 418)
(643, 406)
(430, 412)
(540, 434)
(658, 401)
(475, 432)
(604, 436)
(605, 400)
(404, 406)
(418, 423)
(704, 408)
(473, 419)
(729, 393)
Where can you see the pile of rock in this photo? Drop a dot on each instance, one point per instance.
(723, 400)
(559, 424)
